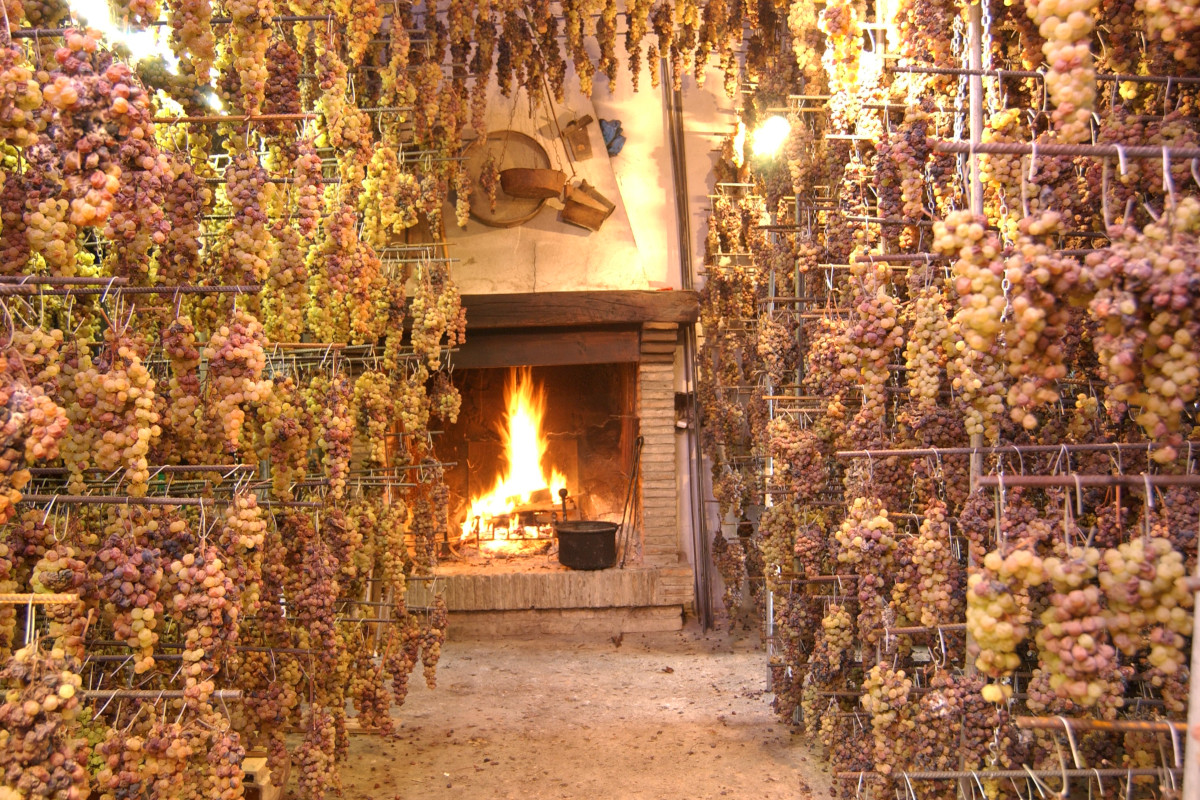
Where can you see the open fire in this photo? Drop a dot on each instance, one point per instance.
(519, 506)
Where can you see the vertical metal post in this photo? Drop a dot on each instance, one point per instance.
(975, 82)
(975, 203)
(1191, 747)
(702, 569)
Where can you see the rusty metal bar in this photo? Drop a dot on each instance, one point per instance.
(914, 629)
(54, 280)
(117, 500)
(922, 452)
(1070, 479)
(209, 119)
(153, 694)
(23, 599)
(1049, 149)
(921, 69)
(165, 468)
(18, 289)
(180, 646)
(885, 258)
(1106, 725)
(948, 775)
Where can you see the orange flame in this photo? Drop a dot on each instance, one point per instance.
(524, 449)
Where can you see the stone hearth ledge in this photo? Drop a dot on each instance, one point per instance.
(634, 599)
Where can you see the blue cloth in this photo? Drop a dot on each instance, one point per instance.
(610, 129)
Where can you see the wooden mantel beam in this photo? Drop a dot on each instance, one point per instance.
(568, 309)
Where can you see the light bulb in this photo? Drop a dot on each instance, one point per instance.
(768, 138)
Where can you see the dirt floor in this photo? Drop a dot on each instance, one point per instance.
(682, 715)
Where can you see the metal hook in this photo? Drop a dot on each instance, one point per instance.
(1168, 181)
(1037, 782)
(1071, 741)
(1175, 745)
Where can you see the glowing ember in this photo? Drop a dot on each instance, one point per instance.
(524, 473)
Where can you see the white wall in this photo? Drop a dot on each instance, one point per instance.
(637, 246)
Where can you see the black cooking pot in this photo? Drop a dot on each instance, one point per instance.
(586, 544)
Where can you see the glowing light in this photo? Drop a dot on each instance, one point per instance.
(524, 451)
(769, 136)
(141, 44)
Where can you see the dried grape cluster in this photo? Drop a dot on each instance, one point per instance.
(433, 634)
(235, 367)
(314, 756)
(730, 560)
(1070, 81)
(999, 614)
(1042, 283)
(979, 285)
(1072, 644)
(113, 418)
(128, 587)
(34, 424)
(41, 751)
(247, 237)
(1148, 338)
(934, 580)
(885, 698)
(374, 404)
(871, 338)
(330, 404)
(1147, 604)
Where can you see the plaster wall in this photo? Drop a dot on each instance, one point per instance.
(637, 247)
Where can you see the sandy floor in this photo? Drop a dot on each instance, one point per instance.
(660, 716)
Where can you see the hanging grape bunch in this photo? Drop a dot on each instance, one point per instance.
(433, 634)
(885, 698)
(287, 433)
(192, 38)
(185, 199)
(873, 334)
(1146, 308)
(20, 97)
(1070, 79)
(113, 419)
(44, 754)
(371, 700)
(402, 654)
(798, 456)
(129, 580)
(330, 404)
(924, 351)
(247, 238)
(978, 281)
(730, 559)
(1042, 284)
(235, 367)
(835, 641)
(240, 540)
(34, 423)
(998, 612)
(1148, 609)
(285, 297)
(100, 104)
(1072, 646)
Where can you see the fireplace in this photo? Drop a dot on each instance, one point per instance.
(605, 364)
(583, 417)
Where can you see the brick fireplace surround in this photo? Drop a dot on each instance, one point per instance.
(597, 327)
